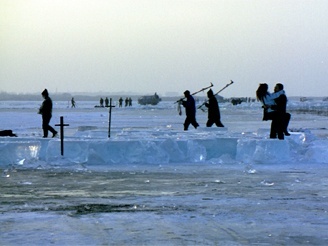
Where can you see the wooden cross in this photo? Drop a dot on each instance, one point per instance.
(62, 134)
(110, 115)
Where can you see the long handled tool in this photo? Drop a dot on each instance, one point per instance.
(203, 89)
(231, 82)
(181, 99)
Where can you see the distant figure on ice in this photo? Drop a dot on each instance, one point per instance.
(72, 103)
(130, 101)
(101, 101)
(126, 102)
(106, 102)
(269, 111)
(190, 111)
(120, 102)
(213, 110)
(46, 112)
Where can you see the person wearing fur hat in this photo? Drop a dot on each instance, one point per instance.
(46, 112)
(213, 110)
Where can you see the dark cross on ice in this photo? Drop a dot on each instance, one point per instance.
(110, 115)
(62, 134)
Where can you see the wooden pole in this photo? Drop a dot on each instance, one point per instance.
(62, 134)
(110, 116)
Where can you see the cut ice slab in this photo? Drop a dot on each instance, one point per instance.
(18, 152)
(263, 151)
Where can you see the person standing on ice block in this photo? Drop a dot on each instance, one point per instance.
(267, 99)
(46, 112)
(213, 110)
(269, 113)
(283, 117)
(190, 106)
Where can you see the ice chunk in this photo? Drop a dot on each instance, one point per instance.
(263, 151)
(132, 151)
(317, 151)
(217, 147)
(113, 152)
(245, 150)
(196, 151)
(75, 151)
(19, 152)
(154, 153)
(271, 151)
(173, 150)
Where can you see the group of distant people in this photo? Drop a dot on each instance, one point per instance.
(128, 102)
(101, 102)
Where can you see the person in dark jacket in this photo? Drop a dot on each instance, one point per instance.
(213, 110)
(282, 118)
(120, 102)
(46, 112)
(190, 111)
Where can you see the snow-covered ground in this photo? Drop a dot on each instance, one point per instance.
(151, 183)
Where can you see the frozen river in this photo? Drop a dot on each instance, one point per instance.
(152, 183)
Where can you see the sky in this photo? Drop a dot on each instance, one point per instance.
(163, 46)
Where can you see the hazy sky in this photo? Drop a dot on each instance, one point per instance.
(148, 46)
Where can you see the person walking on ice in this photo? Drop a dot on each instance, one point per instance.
(46, 112)
(190, 111)
(72, 103)
(213, 110)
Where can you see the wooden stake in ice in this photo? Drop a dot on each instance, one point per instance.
(110, 115)
(62, 134)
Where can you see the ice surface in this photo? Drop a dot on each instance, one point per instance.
(151, 183)
(154, 135)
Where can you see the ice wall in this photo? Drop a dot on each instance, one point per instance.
(299, 147)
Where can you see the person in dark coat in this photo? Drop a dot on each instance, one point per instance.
(120, 102)
(72, 103)
(213, 111)
(106, 102)
(190, 111)
(46, 112)
(282, 118)
(270, 111)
